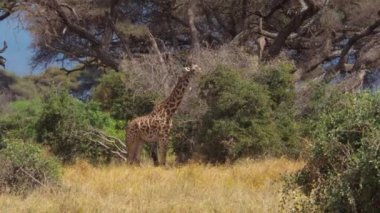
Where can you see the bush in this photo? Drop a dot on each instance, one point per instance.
(183, 138)
(343, 170)
(248, 117)
(65, 125)
(20, 120)
(122, 102)
(25, 166)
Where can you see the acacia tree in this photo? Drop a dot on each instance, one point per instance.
(6, 9)
(103, 33)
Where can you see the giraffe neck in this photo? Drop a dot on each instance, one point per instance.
(171, 104)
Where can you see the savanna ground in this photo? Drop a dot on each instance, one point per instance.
(246, 186)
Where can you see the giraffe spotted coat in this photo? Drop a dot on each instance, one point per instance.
(155, 127)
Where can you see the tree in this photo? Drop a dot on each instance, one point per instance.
(103, 33)
(6, 9)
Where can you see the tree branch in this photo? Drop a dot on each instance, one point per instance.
(366, 32)
(74, 27)
(30, 176)
(69, 71)
(277, 5)
(122, 38)
(8, 10)
(5, 15)
(292, 26)
(5, 46)
(70, 8)
(112, 144)
(194, 33)
(157, 50)
(2, 61)
(101, 53)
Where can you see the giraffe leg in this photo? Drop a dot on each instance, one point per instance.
(163, 148)
(139, 146)
(153, 153)
(132, 146)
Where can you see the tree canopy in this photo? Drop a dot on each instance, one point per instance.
(105, 33)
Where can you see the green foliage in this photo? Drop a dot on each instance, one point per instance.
(65, 125)
(121, 101)
(248, 116)
(343, 171)
(20, 120)
(26, 166)
(182, 138)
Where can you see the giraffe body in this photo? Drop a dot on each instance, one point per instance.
(155, 127)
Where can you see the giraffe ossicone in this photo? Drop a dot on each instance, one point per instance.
(155, 127)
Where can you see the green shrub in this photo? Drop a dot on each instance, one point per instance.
(248, 117)
(183, 138)
(65, 126)
(343, 169)
(26, 166)
(20, 120)
(122, 102)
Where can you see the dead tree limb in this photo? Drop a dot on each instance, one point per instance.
(111, 144)
(30, 176)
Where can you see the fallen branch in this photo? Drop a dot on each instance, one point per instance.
(31, 176)
(112, 144)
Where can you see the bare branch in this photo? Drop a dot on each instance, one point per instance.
(5, 46)
(157, 50)
(70, 8)
(193, 29)
(30, 176)
(2, 61)
(123, 39)
(112, 144)
(292, 26)
(74, 27)
(366, 32)
(69, 71)
(5, 15)
(277, 5)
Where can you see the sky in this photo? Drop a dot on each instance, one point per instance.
(19, 53)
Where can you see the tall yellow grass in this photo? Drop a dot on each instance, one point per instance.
(248, 186)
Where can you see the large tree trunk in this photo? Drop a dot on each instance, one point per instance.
(194, 32)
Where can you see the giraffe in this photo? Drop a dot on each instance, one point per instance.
(155, 127)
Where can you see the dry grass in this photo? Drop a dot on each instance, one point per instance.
(248, 186)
